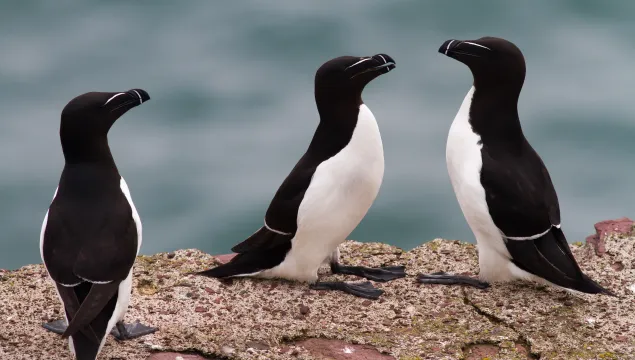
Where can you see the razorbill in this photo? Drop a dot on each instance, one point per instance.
(328, 192)
(502, 185)
(92, 232)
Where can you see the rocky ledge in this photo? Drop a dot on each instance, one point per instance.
(201, 318)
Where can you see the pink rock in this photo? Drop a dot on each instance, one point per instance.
(173, 356)
(622, 226)
(225, 258)
(340, 350)
(598, 246)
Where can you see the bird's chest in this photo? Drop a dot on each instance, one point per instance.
(463, 155)
(358, 169)
(465, 163)
(344, 186)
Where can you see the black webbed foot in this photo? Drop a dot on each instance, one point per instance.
(364, 290)
(130, 331)
(447, 279)
(57, 326)
(382, 274)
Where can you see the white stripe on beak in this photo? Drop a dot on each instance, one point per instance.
(448, 48)
(140, 99)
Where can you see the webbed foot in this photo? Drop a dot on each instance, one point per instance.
(382, 274)
(364, 290)
(130, 331)
(447, 279)
(57, 326)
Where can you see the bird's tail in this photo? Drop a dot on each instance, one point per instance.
(550, 258)
(589, 286)
(84, 347)
(88, 330)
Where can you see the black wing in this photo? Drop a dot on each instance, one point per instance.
(523, 204)
(93, 240)
(268, 246)
(520, 195)
(550, 258)
(282, 214)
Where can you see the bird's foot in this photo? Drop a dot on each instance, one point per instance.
(57, 326)
(382, 274)
(364, 290)
(130, 331)
(447, 279)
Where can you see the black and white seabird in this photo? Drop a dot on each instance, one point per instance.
(92, 232)
(501, 183)
(328, 192)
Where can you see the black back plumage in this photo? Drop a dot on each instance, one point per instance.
(90, 238)
(338, 94)
(90, 233)
(520, 195)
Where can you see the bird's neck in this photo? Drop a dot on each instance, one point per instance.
(335, 130)
(494, 115)
(86, 182)
(88, 150)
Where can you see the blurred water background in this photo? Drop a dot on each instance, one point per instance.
(232, 107)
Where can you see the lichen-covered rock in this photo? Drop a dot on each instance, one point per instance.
(200, 317)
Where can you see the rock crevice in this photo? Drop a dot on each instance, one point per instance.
(523, 345)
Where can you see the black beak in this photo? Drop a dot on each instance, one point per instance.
(447, 45)
(458, 49)
(127, 100)
(139, 94)
(381, 63)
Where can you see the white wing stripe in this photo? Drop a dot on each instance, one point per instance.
(275, 231)
(95, 282)
(533, 237)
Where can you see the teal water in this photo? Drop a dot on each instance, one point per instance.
(232, 107)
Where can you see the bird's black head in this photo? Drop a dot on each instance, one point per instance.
(87, 119)
(343, 79)
(493, 61)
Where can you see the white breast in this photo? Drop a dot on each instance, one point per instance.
(135, 214)
(46, 217)
(342, 190)
(463, 157)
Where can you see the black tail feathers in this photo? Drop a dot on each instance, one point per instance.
(587, 285)
(85, 348)
(550, 258)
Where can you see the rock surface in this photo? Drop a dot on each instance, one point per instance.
(201, 318)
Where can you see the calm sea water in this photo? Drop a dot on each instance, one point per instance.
(232, 107)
